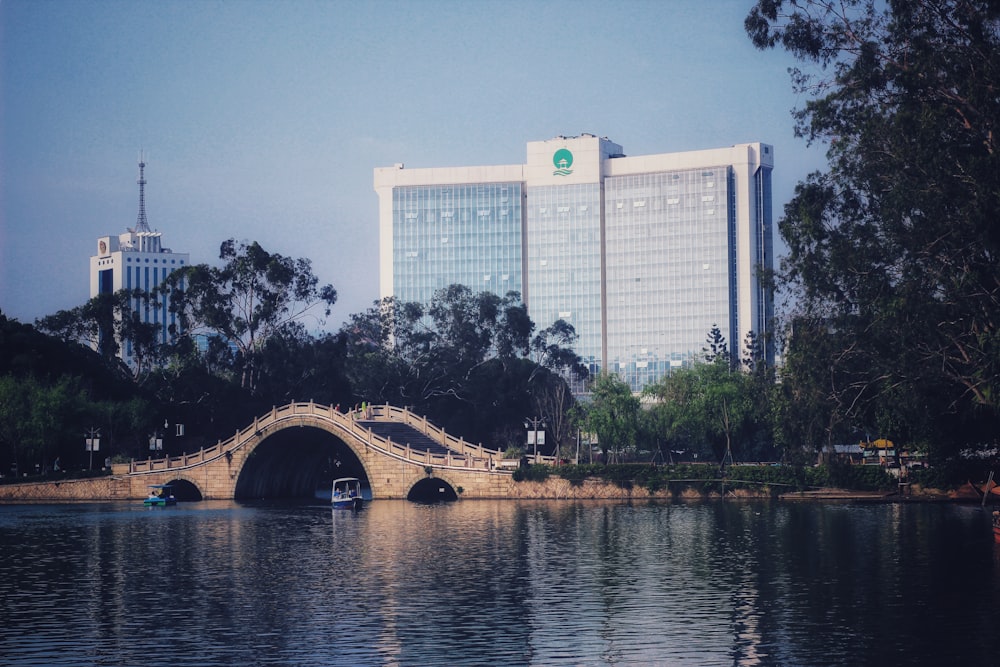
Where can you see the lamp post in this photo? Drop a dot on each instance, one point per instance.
(534, 435)
(156, 442)
(92, 440)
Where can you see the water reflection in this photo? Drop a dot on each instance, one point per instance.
(513, 583)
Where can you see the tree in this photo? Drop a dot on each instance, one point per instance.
(894, 253)
(556, 364)
(761, 386)
(713, 408)
(612, 415)
(253, 297)
(109, 321)
(461, 361)
(671, 421)
(718, 348)
(724, 402)
(38, 419)
(296, 366)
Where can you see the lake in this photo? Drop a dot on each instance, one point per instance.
(499, 583)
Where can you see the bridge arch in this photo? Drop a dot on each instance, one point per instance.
(432, 489)
(184, 488)
(297, 461)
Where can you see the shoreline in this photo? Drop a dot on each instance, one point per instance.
(555, 488)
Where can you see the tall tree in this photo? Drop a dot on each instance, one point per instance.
(612, 415)
(718, 348)
(110, 321)
(252, 297)
(895, 251)
(461, 361)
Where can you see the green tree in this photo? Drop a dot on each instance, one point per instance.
(461, 361)
(110, 321)
(761, 386)
(717, 349)
(612, 415)
(724, 402)
(556, 366)
(893, 251)
(39, 420)
(714, 409)
(296, 366)
(254, 296)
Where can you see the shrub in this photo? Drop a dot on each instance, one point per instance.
(537, 472)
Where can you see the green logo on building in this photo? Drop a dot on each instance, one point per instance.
(563, 160)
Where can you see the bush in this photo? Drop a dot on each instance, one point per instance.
(950, 474)
(707, 477)
(537, 472)
(862, 478)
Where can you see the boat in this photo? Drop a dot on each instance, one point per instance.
(347, 494)
(160, 495)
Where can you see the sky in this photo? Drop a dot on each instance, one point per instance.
(264, 120)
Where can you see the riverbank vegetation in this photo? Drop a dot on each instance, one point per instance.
(891, 329)
(771, 479)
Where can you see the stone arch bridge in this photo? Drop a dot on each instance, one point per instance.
(299, 448)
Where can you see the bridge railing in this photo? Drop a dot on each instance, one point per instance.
(438, 434)
(461, 454)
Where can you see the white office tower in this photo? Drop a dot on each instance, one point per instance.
(136, 259)
(643, 255)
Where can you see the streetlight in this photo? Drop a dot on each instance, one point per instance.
(535, 437)
(156, 442)
(92, 441)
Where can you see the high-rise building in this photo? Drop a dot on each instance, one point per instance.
(643, 255)
(136, 259)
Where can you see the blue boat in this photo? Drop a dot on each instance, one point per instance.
(347, 494)
(160, 495)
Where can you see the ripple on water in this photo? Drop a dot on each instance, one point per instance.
(512, 583)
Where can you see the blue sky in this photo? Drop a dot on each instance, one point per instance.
(263, 121)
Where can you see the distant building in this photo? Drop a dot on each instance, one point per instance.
(642, 255)
(136, 259)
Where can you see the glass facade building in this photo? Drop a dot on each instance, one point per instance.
(564, 262)
(448, 234)
(642, 255)
(670, 258)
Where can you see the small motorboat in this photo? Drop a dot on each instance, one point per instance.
(347, 494)
(160, 495)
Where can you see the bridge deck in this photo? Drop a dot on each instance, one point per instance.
(404, 434)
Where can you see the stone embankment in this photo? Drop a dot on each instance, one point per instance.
(73, 490)
(116, 487)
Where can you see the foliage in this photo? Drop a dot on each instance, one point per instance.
(110, 321)
(612, 415)
(536, 472)
(717, 349)
(777, 478)
(860, 477)
(52, 391)
(893, 252)
(951, 474)
(462, 362)
(713, 409)
(254, 297)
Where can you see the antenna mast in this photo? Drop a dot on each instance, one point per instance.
(140, 224)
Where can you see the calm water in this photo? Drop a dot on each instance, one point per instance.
(498, 583)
